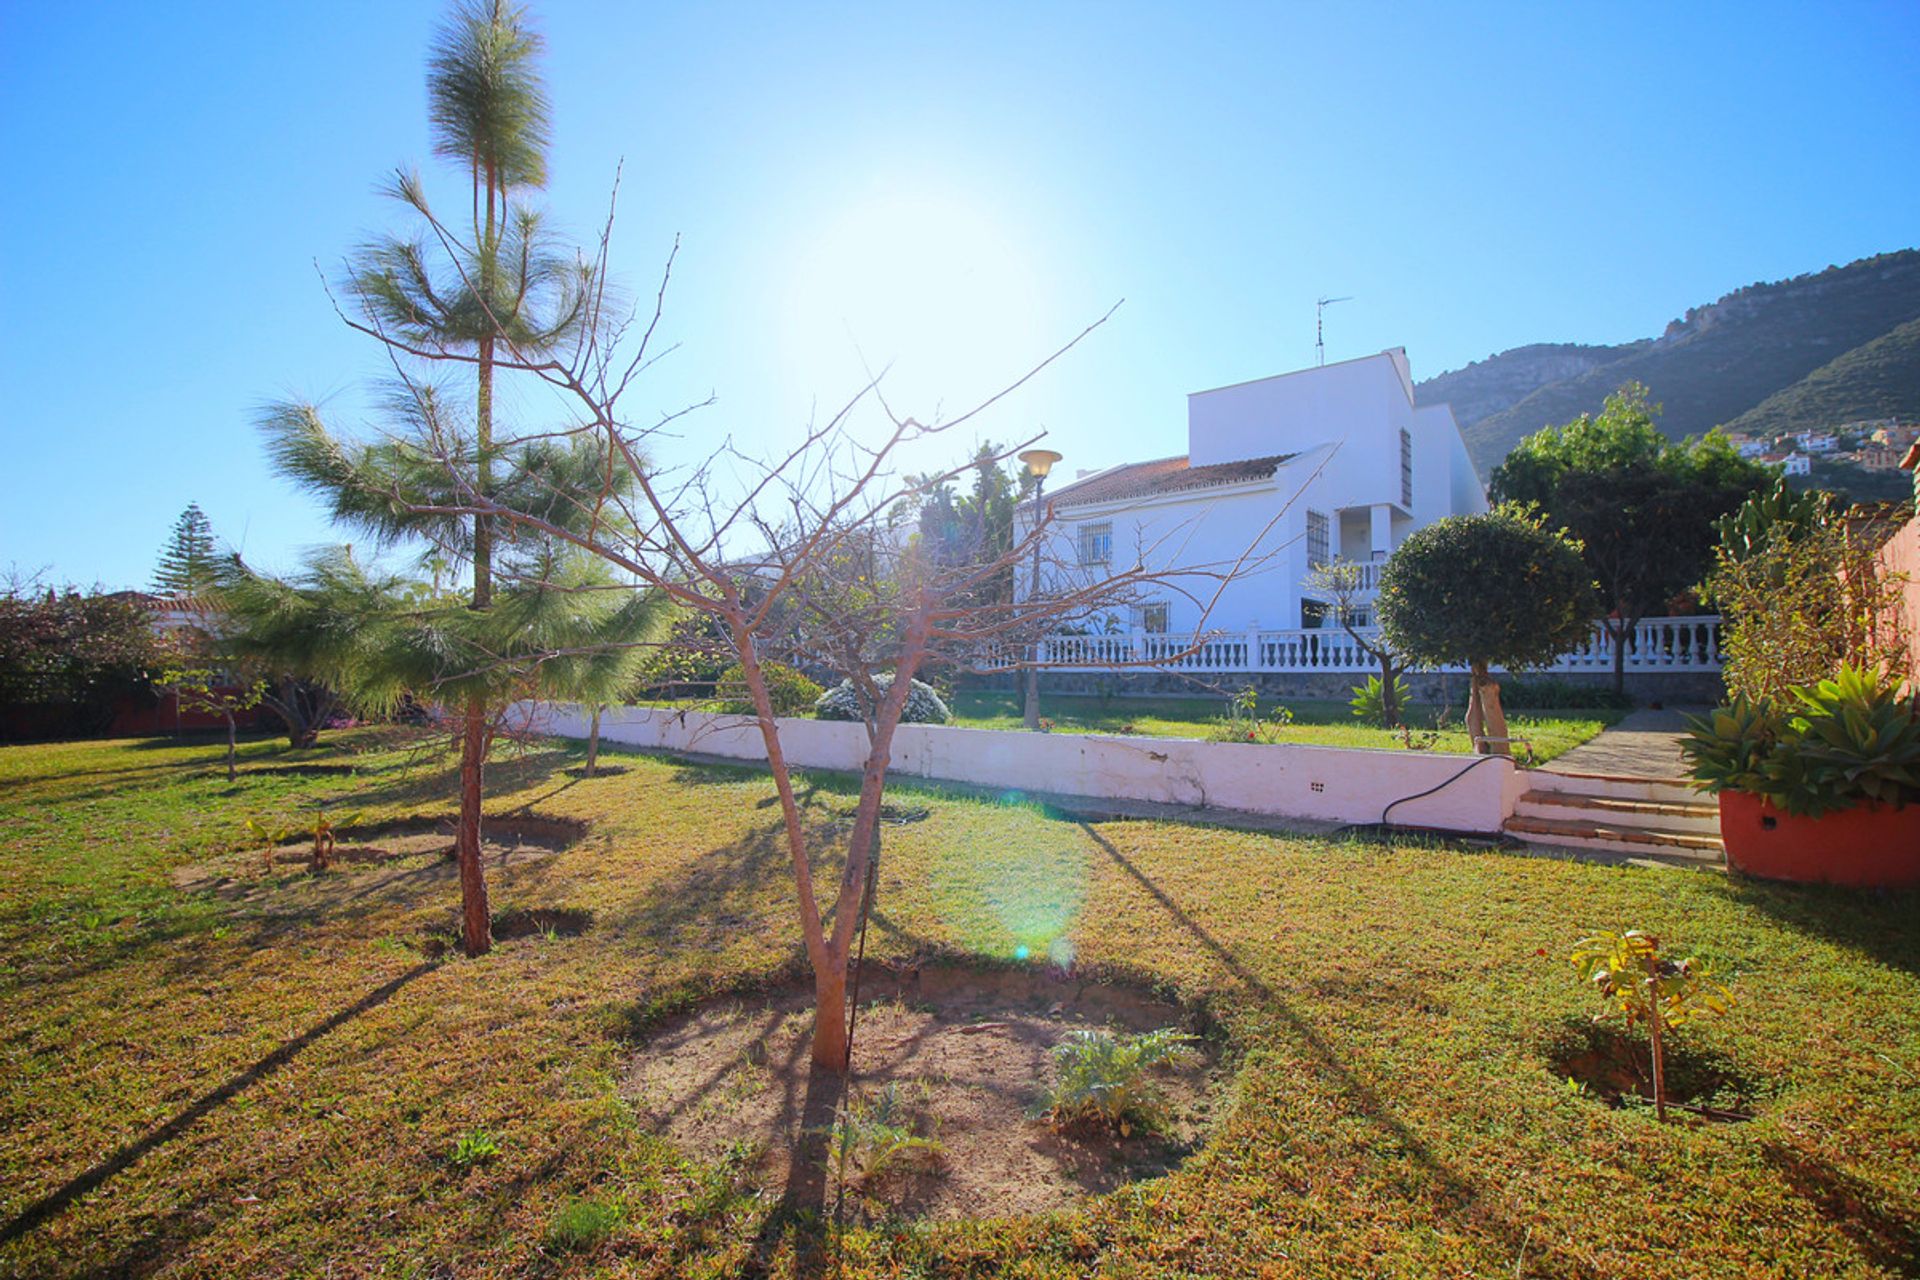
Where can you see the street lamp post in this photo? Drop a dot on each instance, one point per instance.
(1038, 462)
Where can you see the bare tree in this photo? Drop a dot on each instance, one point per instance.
(1342, 581)
(783, 556)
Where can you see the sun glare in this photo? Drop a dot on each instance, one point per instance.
(936, 288)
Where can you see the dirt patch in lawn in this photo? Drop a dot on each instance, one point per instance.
(504, 842)
(962, 1057)
(1615, 1068)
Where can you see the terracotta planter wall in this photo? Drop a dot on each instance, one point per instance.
(1871, 846)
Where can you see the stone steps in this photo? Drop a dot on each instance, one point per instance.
(1644, 817)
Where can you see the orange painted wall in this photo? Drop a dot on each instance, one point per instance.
(1901, 554)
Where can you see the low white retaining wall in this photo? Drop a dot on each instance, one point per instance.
(1332, 784)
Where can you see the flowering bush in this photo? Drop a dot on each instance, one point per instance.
(843, 702)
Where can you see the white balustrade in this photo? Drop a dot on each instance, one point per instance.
(1653, 644)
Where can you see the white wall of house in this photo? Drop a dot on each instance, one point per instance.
(1343, 423)
(1326, 784)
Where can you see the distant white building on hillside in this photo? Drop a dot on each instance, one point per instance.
(1288, 472)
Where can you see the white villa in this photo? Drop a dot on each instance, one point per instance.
(1288, 471)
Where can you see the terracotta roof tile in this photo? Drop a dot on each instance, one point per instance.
(1165, 475)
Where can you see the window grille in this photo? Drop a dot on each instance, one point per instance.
(1096, 543)
(1406, 470)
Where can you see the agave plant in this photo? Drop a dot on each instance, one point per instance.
(1848, 740)
(1853, 739)
(1729, 746)
(1105, 1078)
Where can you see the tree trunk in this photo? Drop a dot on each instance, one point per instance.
(1389, 696)
(303, 715)
(830, 1044)
(1624, 629)
(476, 915)
(233, 746)
(1030, 713)
(593, 742)
(1659, 1052)
(1486, 722)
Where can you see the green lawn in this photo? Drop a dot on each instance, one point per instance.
(213, 1083)
(1327, 724)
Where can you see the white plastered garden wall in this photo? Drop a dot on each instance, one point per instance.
(1323, 784)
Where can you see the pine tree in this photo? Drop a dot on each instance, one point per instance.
(187, 564)
(489, 300)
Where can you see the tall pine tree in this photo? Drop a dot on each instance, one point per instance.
(187, 563)
(491, 299)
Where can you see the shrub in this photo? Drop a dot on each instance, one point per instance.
(582, 1223)
(1802, 595)
(790, 692)
(1104, 1078)
(1244, 723)
(1369, 700)
(1835, 745)
(843, 702)
(1492, 590)
(1544, 693)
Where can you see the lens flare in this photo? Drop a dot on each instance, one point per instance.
(1016, 890)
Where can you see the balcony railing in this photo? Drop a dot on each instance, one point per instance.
(1655, 644)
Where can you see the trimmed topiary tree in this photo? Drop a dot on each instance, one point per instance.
(1485, 591)
(842, 702)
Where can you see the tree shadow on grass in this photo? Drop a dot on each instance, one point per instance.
(60, 1198)
(1883, 925)
(1460, 1194)
(1889, 1239)
(802, 1218)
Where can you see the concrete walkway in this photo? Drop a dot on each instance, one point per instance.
(1645, 744)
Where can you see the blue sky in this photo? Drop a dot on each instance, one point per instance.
(952, 189)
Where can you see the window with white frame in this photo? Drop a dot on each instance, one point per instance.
(1096, 543)
(1319, 539)
(1153, 618)
(1406, 469)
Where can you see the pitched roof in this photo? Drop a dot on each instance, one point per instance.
(1165, 475)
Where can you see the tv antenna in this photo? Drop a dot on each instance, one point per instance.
(1320, 327)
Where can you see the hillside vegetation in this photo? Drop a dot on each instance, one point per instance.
(1812, 351)
(1872, 381)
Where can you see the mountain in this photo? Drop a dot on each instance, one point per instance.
(1871, 381)
(1795, 354)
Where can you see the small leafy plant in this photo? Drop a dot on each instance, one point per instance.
(324, 830)
(1105, 1079)
(1244, 723)
(473, 1148)
(270, 838)
(790, 692)
(875, 1135)
(1644, 986)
